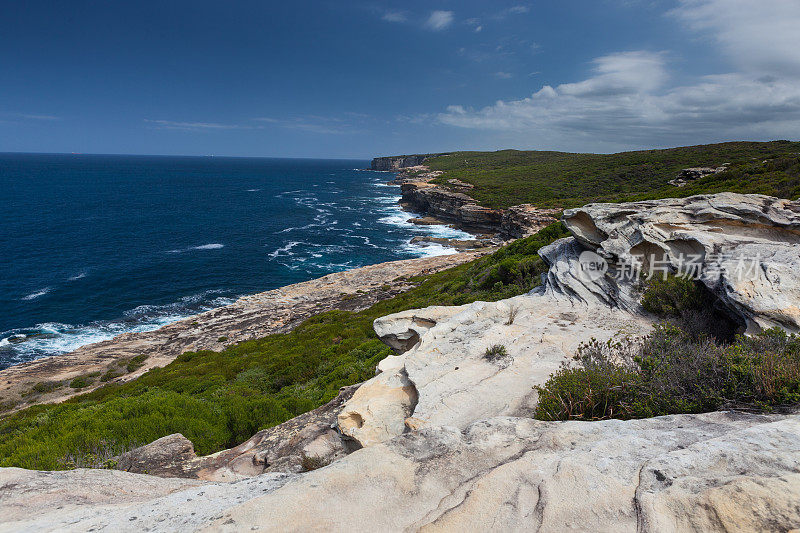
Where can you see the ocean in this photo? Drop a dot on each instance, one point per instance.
(96, 245)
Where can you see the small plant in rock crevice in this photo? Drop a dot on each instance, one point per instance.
(495, 352)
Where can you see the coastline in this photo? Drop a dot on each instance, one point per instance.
(129, 355)
(450, 203)
(250, 317)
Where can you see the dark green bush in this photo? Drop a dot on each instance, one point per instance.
(46, 386)
(672, 372)
(84, 380)
(136, 363)
(493, 353)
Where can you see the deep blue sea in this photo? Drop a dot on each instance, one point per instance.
(96, 245)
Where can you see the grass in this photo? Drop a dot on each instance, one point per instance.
(558, 179)
(219, 399)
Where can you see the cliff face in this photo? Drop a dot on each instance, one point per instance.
(515, 222)
(400, 161)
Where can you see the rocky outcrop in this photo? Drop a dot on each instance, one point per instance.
(744, 248)
(690, 174)
(281, 448)
(445, 378)
(250, 317)
(395, 163)
(444, 204)
(712, 472)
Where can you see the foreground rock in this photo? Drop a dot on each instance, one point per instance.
(446, 378)
(712, 472)
(250, 317)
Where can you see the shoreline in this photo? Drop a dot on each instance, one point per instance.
(249, 317)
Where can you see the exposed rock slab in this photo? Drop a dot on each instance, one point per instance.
(712, 472)
(445, 378)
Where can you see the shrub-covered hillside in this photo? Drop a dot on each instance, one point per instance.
(220, 399)
(558, 179)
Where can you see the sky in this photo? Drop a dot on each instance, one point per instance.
(357, 79)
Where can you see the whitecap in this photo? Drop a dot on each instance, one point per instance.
(253, 190)
(77, 276)
(212, 246)
(37, 294)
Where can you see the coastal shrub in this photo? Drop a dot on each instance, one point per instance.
(689, 305)
(136, 363)
(110, 374)
(84, 380)
(44, 387)
(495, 352)
(672, 372)
(561, 180)
(219, 399)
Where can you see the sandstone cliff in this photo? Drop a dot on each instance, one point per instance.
(394, 163)
(446, 438)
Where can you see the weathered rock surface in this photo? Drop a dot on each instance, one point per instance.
(445, 379)
(713, 472)
(250, 317)
(690, 174)
(745, 248)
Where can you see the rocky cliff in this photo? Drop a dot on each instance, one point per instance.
(442, 438)
(421, 196)
(395, 163)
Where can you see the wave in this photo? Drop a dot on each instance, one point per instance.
(54, 338)
(77, 277)
(37, 294)
(212, 246)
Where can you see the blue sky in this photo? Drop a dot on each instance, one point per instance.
(358, 79)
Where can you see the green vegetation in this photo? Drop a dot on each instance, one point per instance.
(493, 353)
(84, 380)
(46, 386)
(691, 363)
(673, 373)
(558, 179)
(219, 399)
(136, 363)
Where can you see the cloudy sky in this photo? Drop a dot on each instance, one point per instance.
(362, 78)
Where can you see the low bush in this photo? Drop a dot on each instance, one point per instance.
(493, 353)
(672, 372)
(136, 363)
(84, 380)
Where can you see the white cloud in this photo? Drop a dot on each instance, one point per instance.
(439, 20)
(757, 35)
(175, 125)
(503, 75)
(394, 16)
(630, 100)
(39, 117)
